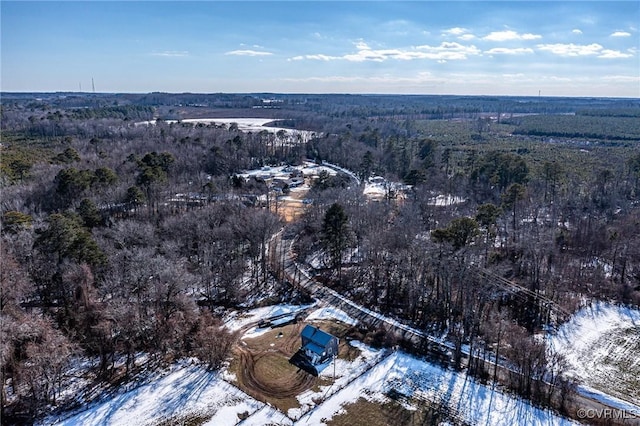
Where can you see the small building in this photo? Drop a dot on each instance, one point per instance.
(296, 182)
(317, 350)
(317, 345)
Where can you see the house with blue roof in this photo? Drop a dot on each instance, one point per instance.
(318, 347)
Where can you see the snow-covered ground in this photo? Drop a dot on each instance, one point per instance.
(377, 187)
(308, 169)
(245, 125)
(601, 344)
(444, 200)
(237, 320)
(345, 372)
(188, 391)
(471, 401)
(185, 390)
(331, 314)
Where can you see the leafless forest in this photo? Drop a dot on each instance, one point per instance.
(120, 239)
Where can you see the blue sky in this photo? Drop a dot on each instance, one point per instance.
(574, 48)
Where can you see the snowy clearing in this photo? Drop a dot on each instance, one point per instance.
(331, 313)
(308, 169)
(184, 391)
(346, 373)
(444, 200)
(187, 391)
(472, 402)
(245, 125)
(601, 343)
(237, 320)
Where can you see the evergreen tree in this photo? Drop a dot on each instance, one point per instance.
(335, 235)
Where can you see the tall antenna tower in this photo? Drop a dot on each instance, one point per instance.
(93, 85)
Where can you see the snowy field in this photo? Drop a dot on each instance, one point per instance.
(187, 392)
(236, 321)
(472, 402)
(245, 125)
(377, 188)
(184, 391)
(329, 313)
(601, 343)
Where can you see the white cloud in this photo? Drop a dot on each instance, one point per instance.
(507, 51)
(367, 54)
(456, 31)
(446, 51)
(614, 54)
(519, 78)
(421, 77)
(510, 35)
(571, 49)
(622, 78)
(593, 49)
(467, 37)
(318, 57)
(559, 79)
(621, 34)
(576, 31)
(171, 53)
(248, 53)
(459, 33)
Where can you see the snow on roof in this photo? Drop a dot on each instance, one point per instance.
(374, 190)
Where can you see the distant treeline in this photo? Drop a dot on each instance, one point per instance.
(124, 112)
(579, 126)
(341, 105)
(615, 112)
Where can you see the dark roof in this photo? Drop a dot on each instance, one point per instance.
(316, 335)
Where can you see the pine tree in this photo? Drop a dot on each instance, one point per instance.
(335, 235)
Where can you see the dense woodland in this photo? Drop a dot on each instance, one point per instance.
(101, 259)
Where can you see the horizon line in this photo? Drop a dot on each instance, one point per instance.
(84, 93)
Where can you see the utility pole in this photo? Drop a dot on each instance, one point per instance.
(335, 355)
